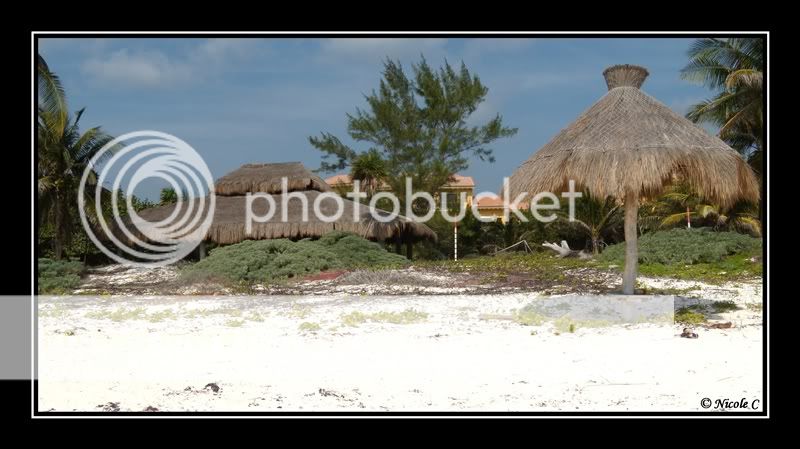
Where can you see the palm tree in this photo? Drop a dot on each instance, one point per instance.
(675, 200)
(680, 204)
(370, 169)
(595, 218)
(63, 154)
(733, 68)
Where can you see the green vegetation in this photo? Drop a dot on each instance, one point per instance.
(255, 316)
(541, 266)
(267, 261)
(755, 306)
(529, 318)
(309, 327)
(744, 265)
(686, 247)
(158, 317)
(57, 277)
(63, 155)
(418, 126)
(233, 317)
(408, 316)
(739, 266)
(204, 313)
(120, 314)
(687, 315)
(724, 306)
(696, 254)
(299, 311)
(681, 203)
(597, 219)
(689, 292)
(54, 311)
(733, 69)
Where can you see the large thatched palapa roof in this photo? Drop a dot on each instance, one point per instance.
(229, 222)
(629, 141)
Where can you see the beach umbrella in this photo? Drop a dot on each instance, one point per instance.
(631, 146)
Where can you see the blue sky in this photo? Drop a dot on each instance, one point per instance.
(258, 99)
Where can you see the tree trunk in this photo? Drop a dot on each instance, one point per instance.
(58, 239)
(201, 250)
(631, 243)
(409, 249)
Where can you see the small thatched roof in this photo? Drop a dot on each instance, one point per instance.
(629, 141)
(267, 178)
(229, 225)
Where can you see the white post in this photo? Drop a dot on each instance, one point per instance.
(455, 241)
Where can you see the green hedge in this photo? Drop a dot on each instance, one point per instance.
(685, 247)
(58, 276)
(269, 260)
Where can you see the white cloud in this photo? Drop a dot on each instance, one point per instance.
(148, 69)
(153, 68)
(221, 50)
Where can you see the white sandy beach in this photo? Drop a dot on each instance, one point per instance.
(459, 353)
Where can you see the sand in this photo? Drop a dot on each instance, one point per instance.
(403, 353)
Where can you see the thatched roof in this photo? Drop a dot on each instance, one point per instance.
(628, 140)
(229, 225)
(267, 178)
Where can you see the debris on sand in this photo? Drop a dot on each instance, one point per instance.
(214, 387)
(109, 407)
(326, 393)
(726, 325)
(150, 408)
(687, 333)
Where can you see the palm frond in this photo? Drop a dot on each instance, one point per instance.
(52, 98)
(745, 78)
(674, 219)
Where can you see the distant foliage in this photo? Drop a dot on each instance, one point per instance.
(58, 276)
(271, 260)
(685, 246)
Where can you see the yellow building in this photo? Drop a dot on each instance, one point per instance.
(492, 206)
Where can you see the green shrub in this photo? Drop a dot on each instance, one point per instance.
(57, 277)
(685, 315)
(353, 251)
(685, 247)
(270, 260)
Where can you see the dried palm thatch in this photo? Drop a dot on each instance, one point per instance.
(229, 224)
(251, 178)
(629, 145)
(630, 142)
